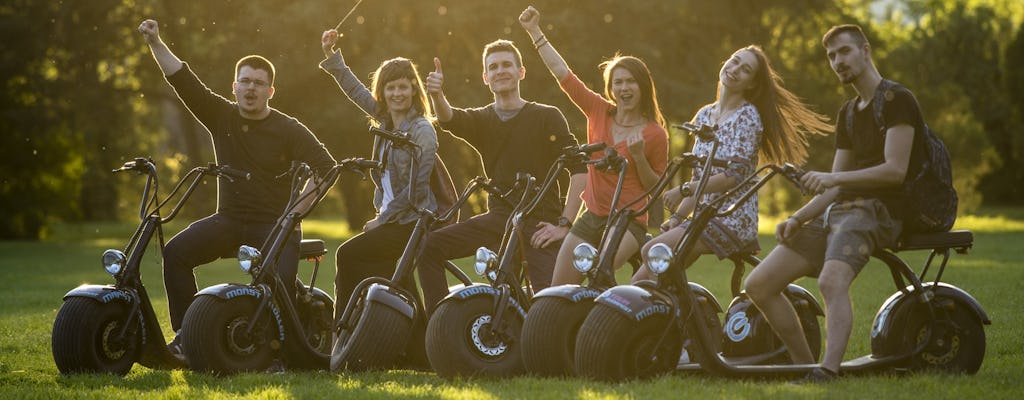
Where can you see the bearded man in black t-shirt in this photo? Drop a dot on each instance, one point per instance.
(856, 211)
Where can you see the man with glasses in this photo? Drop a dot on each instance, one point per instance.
(247, 135)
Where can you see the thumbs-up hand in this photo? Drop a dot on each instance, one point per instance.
(435, 79)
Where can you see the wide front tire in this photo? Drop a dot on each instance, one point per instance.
(613, 347)
(460, 340)
(379, 337)
(86, 337)
(549, 335)
(216, 336)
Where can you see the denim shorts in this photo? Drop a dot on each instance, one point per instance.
(590, 227)
(849, 231)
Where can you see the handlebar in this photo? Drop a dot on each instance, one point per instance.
(397, 137)
(228, 172)
(704, 132)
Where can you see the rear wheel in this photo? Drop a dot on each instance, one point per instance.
(219, 335)
(463, 339)
(378, 338)
(86, 337)
(549, 335)
(613, 347)
(954, 343)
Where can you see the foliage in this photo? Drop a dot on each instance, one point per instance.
(81, 93)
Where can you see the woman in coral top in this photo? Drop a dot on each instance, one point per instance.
(627, 119)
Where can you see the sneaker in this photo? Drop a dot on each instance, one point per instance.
(817, 375)
(175, 347)
(684, 358)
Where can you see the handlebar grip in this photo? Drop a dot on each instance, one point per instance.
(704, 132)
(591, 148)
(233, 173)
(399, 138)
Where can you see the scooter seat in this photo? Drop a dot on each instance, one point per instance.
(311, 248)
(960, 240)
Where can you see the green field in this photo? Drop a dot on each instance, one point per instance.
(35, 275)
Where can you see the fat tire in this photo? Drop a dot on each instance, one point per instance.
(83, 332)
(611, 346)
(549, 335)
(212, 341)
(378, 339)
(956, 346)
(450, 345)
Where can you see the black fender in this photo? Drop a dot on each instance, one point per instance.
(461, 293)
(572, 293)
(705, 294)
(392, 298)
(228, 291)
(800, 297)
(635, 302)
(888, 326)
(102, 293)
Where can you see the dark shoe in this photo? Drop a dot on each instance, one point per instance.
(175, 347)
(276, 367)
(816, 376)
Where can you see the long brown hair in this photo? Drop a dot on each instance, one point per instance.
(787, 120)
(648, 94)
(398, 68)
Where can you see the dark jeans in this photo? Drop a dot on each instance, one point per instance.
(462, 240)
(207, 240)
(369, 254)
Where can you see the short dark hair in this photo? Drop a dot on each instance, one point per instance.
(502, 45)
(256, 62)
(853, 30)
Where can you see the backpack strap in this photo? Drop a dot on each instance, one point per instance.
(877, 106)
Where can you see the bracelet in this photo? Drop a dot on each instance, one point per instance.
(539, 38)
(541, 44)
(676, 216)
(793, 217)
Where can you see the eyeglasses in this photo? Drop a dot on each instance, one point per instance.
(254, 82)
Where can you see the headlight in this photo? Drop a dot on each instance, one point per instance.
(484, 258)
(659, 257)
(113, 261)
(584, 257)
(248, 257)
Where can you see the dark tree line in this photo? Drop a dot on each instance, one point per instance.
(81, 93)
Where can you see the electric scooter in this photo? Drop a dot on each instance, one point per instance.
(475, 330)
(232, 328)
(384, 321)
(108, 328)
(924, 325)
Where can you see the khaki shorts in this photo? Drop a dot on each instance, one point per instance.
(590, 227)
(849, 231)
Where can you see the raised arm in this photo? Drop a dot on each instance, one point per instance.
(168, 62)
(433, 84)
(530, 20)
(334, 64)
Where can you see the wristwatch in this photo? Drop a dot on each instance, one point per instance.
(564, 222)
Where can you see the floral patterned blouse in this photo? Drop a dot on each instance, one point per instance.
(739, 137)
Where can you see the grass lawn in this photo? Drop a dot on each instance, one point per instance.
(35, 275)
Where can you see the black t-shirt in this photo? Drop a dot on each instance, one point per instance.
(265, 148)
(867, 142)
(528, 142)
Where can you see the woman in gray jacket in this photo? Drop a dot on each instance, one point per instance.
(397, 102)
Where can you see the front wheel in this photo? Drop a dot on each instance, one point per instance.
(220, 336)
(463, 339)
(954, 342)
(549, 335)
(378, 338)
(613, 347)
(86, 337)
